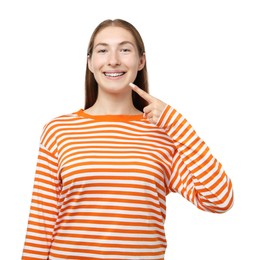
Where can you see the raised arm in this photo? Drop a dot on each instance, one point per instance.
(196, 173)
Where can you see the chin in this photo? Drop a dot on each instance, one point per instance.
(116, 88)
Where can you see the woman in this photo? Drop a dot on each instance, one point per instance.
(103, 173)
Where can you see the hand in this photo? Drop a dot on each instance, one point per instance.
(155, 106)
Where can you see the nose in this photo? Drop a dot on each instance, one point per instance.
(113, 59)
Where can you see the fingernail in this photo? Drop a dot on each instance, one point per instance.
(131, 85)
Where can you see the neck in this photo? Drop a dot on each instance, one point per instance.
(113, 104)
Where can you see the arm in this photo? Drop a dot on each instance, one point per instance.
(195, 174)
(44, 207)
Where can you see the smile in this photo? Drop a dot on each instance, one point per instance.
(113, 74)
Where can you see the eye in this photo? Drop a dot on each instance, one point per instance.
(102, 51)
(125, 50)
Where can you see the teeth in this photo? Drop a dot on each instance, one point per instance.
(114, 74)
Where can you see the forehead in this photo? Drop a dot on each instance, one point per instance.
(113, 35)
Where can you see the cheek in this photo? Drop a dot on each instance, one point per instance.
(95, 64)
(132, 64)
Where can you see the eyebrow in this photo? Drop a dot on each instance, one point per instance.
(120, 44)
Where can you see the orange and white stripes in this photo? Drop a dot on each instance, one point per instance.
(101, 184)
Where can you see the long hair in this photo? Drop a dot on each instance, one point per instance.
(91, 86)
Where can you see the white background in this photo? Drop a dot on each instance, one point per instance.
(200, 60)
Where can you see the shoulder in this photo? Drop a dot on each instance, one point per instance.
(59, 123)
(62, 119)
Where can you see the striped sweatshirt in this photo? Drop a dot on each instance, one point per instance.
(101, 184)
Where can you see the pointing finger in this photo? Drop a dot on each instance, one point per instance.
(141, 93)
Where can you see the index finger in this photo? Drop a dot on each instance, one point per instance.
(141, 92)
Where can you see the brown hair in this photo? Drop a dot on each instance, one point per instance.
(91, 86)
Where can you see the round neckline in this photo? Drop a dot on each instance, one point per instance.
(110, 117)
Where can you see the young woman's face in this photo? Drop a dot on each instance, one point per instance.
(115, 60)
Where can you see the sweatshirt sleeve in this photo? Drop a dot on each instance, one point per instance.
(195, 173)
(44, 207)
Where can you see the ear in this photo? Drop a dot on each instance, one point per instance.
(89, 63)
(142, 62)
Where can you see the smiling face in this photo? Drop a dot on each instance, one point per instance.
(115, 60)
